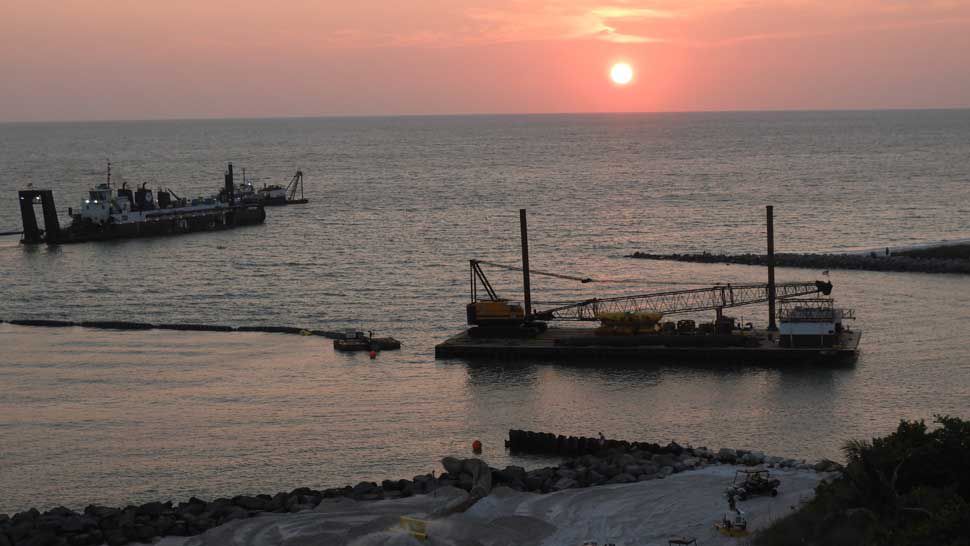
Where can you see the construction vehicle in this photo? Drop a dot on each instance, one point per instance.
(750, 483)
(733, 527)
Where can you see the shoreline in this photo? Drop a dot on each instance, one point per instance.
(623, 463)
(940, 259)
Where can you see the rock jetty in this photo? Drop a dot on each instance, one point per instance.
(622, 462)
(866, 262)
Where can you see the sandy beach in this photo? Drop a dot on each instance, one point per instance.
(641, 514)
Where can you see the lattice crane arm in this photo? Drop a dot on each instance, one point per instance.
(296, 183)
(683, 301)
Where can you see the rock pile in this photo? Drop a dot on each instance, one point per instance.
(826, 261)
(624, 462)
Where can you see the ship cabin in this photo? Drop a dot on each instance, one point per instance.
(807, 323)
(97, 208)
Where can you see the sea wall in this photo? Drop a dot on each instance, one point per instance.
(866, 262)
(612, 462)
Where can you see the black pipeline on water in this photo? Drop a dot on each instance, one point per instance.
(129, 325)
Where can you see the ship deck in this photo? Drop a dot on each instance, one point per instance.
(569, 344)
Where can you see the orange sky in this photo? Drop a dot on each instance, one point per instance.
(124, 59)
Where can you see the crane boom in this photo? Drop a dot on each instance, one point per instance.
(296, 183)
(682, 301)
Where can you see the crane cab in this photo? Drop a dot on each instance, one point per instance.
(494, 313)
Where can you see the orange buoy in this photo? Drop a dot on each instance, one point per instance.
(477, 446)
(373, 354)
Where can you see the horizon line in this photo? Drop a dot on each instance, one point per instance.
(482, 114)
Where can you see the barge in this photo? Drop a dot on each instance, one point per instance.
(108, 213)
(806, 327)
(582, 344)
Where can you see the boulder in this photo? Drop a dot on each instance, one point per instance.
(675, 448)
(43, 537)
(826, 465)
(362, 488)
(749, 459)
(727, 455)
(622, 478)
(565, 483)
(563, 472)
(703, 452)
(625, 459)
(664, 459)
(247, 502)
(114, 537)
(665, 471)
(100, 512)
(452, 465)
(155, 508)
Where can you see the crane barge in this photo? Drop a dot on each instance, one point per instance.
(811, 327)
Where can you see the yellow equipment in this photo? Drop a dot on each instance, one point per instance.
(627, 323)
(495, 312)
(738, 527)
(417, 528)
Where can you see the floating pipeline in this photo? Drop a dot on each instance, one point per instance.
(127, 325)
(272, 329)
(44, 323)
(116, 325)
(195, 327)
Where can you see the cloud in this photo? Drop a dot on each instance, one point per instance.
(558, 20)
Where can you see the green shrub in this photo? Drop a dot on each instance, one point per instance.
(907, 489)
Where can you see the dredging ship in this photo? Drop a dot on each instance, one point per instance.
(108, 213)
(804, 323)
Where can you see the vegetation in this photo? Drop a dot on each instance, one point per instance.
(910, 488)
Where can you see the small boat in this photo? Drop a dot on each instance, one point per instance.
(276, 195)
(359, 341)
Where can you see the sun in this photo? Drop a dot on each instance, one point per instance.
(621, 73)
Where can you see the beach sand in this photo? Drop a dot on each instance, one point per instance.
(643, 513)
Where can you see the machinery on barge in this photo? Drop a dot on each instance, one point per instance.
(811, 327)
(122, 213)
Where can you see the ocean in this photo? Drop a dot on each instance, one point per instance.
(398, 206)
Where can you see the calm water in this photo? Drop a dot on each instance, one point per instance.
(398, 206)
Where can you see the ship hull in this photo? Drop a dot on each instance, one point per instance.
(163, 223)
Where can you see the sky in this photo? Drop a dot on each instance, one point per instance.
(146, 59)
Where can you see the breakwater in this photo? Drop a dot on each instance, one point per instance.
(127, 325)
(865, 262)
(605, 462)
